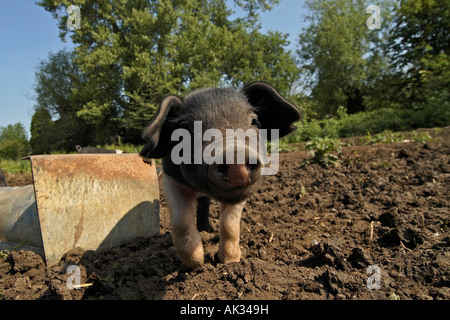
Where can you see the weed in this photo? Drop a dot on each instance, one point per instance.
(421, 137)
(383, 164)
(321, 148)
(393, 296)
(302, 192)
(4, 254)
(386, 136)
(355, 159)
(284, 146)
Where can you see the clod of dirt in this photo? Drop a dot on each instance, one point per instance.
(390, 218)
(359, 259)
(325, 254)
(411, 237)
(403, 154)
(334, 280)
(24, 261)
(401, 236)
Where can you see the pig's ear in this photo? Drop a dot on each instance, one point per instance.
(158, 133)
(274, 111)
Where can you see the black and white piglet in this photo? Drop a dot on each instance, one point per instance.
(194, 171)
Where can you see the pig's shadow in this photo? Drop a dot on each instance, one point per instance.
(140, 269)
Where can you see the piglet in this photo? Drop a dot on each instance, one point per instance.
(207, 145)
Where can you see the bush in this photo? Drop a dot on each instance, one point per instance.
(377, 121)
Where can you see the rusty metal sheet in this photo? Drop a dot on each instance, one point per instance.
(94, 201)
(19, 223)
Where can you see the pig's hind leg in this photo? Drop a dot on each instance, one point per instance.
(182, 202)
(203, 214)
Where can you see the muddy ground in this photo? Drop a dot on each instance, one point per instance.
(374, 227)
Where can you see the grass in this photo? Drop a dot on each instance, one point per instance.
(15, 166)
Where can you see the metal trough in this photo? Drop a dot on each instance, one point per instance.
(92, 201)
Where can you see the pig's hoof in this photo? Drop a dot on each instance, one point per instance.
(225, 259)
(195, 260)
(194, 264)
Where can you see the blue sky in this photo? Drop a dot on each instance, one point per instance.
(28, 33)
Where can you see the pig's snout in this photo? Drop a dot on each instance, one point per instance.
(236, 175)
(230, 176)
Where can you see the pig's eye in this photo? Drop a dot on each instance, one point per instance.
(255, 122)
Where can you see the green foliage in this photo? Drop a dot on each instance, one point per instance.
(423, 26)
(132, 53)
(374, 122)
(419, 47)
(55, 124)
(284, 146)
(306, 105)
(3, 256)
(15, 166)
(435, 80)
(321, 150)
(129, 54)
(5, 253)
(13, 142)
(340, 56)
(404, 64)
(394, 296)
(421, 137)
(386, 136)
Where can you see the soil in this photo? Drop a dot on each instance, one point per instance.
(18, 179)
(374, 227)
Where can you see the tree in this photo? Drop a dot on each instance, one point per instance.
(340, 56)
(55, 124)
(271, 62)
(13, 142)
(419, 49)
(132, 53)
(42, 134)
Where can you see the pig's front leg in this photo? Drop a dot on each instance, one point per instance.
(182, 202)
(229, 229)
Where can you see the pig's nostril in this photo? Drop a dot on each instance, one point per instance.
(222, 169)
